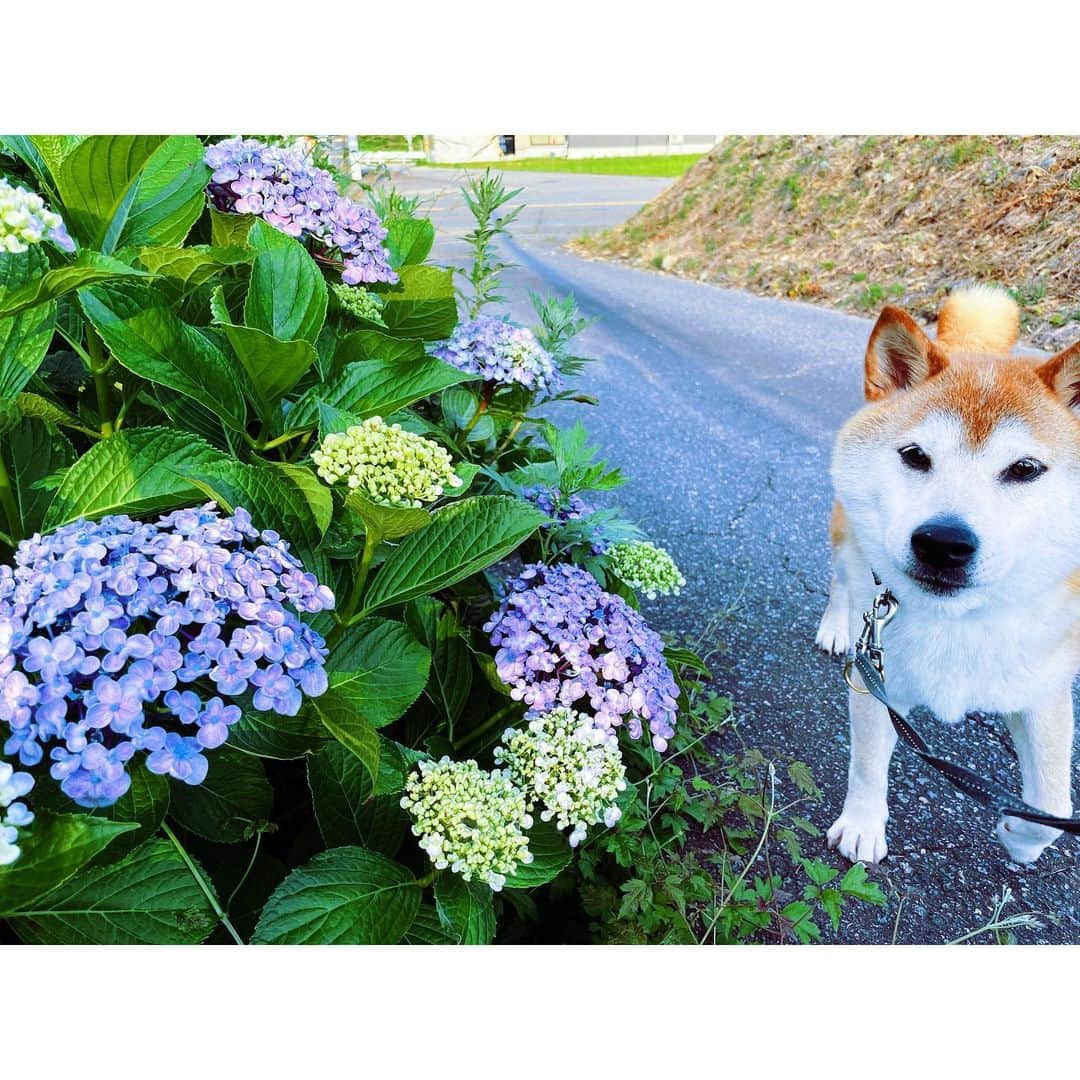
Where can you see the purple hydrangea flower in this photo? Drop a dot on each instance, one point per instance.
(501, 353)
(564, 510)
(100, 622)
(563, 641)
(291, 194)
(14, 814)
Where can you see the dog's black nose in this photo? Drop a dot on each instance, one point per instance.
(944, 544)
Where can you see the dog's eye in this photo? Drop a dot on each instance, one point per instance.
(1023, 471)
(915, 457)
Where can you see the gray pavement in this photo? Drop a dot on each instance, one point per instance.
(722, 407)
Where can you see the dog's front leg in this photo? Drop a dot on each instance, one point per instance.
(1043, 740)
(859, 831)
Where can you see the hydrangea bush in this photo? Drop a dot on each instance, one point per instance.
(308, 626)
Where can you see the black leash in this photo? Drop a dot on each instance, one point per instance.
(869, 662)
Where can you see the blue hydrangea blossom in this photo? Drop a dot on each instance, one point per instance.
(501, 353)
(288, 192)
(119, 637)
(562, 641)
(14, 814)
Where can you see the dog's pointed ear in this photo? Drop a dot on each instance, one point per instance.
(899, 355)
(1061, 373)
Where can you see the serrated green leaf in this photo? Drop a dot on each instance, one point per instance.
(98, 177)
(436, 627)
(375, 388)
(375, 345)
(378, 669)
(287, 295)
(146, 337)
(54, 848)
(231, 804)
(230, 230)
(551, 854)
(89, 268)
(148, 898)
(25, 335)
(345, 896)
(422, 305)
(192, 266)
(349, 728)
(409, 241)
(283, 738)
(386, 522)
(427, 929)
(346, 807)
(273, 367)
(32, 453)
(463, 538)
(465, 909)
(171, 193)
(133, 472)
(856, 883)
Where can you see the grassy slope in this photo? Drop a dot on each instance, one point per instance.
(858, 222)
(645, 165)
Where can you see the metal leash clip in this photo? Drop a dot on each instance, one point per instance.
(869, 644)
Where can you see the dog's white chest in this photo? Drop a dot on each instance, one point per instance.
(954, 666)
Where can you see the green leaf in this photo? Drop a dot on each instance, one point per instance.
(375, 345)
(270, 735)
(422, 305)
(230, 230)
(133, 472)
(427, 929)
(231, 804)
(832, 902)
(268, 493)
(287, 295)
(192, 266)
(387, 522)
(803, 779)
(345, 896)
(54, 848)
(273, 367)
(23, 146)
(146, 803)
(375, 388)
(551, 854)
(89, 268)
(24, 336)
(436, 627)
(378, 669)
(818, 872)
(800, 913)
(97, 180)
(346, 807)
(316, 494)
(170, 196)
(350, 729)
(465, 909)
(463, 538)
(856, 883)
(148, 898)
(145, 336)
(409, 241)
(54, 148)
(32, 453)
(35, 407)
(395, 763)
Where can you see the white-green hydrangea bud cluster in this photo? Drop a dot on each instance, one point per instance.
(356, 300)
(469, 820)
(645, 567)
(568, 765)
(24, 218)
(387, 464)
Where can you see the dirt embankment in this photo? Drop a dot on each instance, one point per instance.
(858, 222)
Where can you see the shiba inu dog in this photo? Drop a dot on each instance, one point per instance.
(959, 484)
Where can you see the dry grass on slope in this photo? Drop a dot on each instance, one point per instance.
(858, 222)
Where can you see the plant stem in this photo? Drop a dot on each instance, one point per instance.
(502, 447)
(481, 408)
(208, 892)
(487, 725)
(426, 880)
(98, 367)
(371, 542)
(7, 500)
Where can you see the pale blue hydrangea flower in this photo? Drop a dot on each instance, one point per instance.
(14, 814)
(501, 353)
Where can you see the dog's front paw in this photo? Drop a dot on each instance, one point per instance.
(1024, 840)
(833, 636)
(858, 839)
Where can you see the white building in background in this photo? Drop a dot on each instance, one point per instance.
(462, 148)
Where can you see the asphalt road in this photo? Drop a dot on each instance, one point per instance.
(722, 408)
